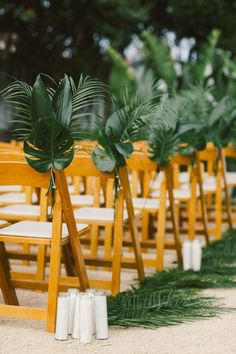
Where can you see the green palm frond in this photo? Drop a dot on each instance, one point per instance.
(165, 131)
(180, 279)
(17, 99)
(196, 106)
(222, 123)
(128, 123)
(88, 97)
(158, 308)
(173, 296)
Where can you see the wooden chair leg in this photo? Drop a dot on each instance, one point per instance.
(191, 219)
(41, 261)
(117, 246)
(226, 192)
(68, 260)
(145, 226)
(71, 225)
(202, 201)
(54, 272)
(218, 209)
(168, 175)
(123, 174)
(9, 293)
(108, 241)
(26, 249)
(94, 241)
(161, 226)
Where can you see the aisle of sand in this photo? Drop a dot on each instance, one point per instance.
(213, 336)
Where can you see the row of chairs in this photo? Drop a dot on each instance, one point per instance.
(86, 213)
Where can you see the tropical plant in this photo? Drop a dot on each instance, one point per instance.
(158, 308)
(166, 131)
(212, 121)
(128, 123)
(49, 120)
(196, 105)
(173, 296)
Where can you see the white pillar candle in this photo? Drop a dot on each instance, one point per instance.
(187, 255)
(101, 315)
(86, 318)
(76, 324)
(196, 255)
(62, 316)
(72, 296)
(92, 292)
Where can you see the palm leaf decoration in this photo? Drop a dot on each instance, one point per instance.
(212, 121)
(173, 296)
(128, 123)
(222, 123)
(50, 120)
(166, 132)
(158, 308)
(196, 106)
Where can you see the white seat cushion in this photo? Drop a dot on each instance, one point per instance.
(21, 209)
(37, 229)
(156, 183)
(231, 178)
(98, 214)
(16, 198)
(81, 199)
(84, 200)
(148, 203)
(181, 194)
(184, 177)
(10, 188)
(209, 187)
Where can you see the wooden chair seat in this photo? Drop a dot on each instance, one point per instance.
(34, 229)
(101, 215)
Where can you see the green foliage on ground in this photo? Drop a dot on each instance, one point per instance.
(173, 296)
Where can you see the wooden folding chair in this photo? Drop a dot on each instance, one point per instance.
(211, 185)
(157, 206)
(54, 234)
(112, 219)
(186, 190)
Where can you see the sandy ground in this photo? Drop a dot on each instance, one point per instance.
(213, 336)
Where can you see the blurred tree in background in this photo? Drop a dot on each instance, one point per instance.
(196, 19)
(64, 36)
(71, 35)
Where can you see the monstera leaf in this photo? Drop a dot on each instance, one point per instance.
(48, 119)
(49, 146)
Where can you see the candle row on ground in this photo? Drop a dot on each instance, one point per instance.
(192, 255)
(81, 315)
